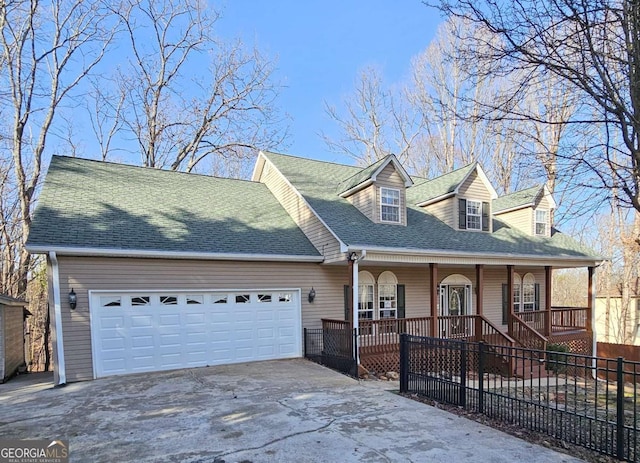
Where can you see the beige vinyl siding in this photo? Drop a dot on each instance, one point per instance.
(416, 281)
(521, 219)
(613, 323)
(301, 214)
(542, 203)
(364, 200)
(445, 210)
(12, 353)
(417, 290)
(121, 274)
(473, 188)
(389, 178)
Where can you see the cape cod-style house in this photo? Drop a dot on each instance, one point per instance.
(153, 270)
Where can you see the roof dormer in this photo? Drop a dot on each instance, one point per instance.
(379, 191)
(530, 210)
(461, 199)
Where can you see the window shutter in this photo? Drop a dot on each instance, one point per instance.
(347, 303)
(462, 214)
(485, 216)
(536, 289)
(401, 305)
(505, 304)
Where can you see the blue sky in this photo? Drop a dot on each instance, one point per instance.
(321, 46)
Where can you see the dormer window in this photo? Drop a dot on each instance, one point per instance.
(389, 205)
(474, 215)
(541, 223)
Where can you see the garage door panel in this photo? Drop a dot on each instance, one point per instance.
(136, 332)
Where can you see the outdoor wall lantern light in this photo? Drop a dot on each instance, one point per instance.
(73, 299)
(312, 294)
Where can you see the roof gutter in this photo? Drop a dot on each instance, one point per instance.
(107, 252)
(57, 310)
(440, 253)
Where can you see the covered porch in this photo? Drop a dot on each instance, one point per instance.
(512, 321)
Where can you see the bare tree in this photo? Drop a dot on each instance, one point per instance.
(178, 111)
(594, 47)
(47, 50)
(373, 122)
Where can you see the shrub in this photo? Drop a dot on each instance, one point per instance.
(557, 358)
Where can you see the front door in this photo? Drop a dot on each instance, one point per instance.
(457, 302)
(454, 302)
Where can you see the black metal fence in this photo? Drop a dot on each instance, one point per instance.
(334, 348)
(587, 401)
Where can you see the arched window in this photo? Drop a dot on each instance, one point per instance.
(387, 295)
(517, 293)
(529, 292)
(455, 295)
(366, 283)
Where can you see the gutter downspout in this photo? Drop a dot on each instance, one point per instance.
(57, 311)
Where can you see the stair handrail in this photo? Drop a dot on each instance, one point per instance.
(534, 340)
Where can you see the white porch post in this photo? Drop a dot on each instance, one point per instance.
(356, 295)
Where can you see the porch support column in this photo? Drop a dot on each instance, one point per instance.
(547, 300)
(509, 300)
(590, 299)
(433, 287)
(479, 299)
(349, 312)
(479, 287)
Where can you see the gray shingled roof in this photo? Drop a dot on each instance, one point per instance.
(317, 182)
(440, 186)
(91, 204)
(362, 176)
(517, 199)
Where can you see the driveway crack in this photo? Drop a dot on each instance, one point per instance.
(279, 439)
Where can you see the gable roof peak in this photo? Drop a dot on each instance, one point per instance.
(522, 198)
(368, 175)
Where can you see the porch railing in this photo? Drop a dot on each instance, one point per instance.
(524, 334)
(570, 318)
(457, 327)
(492, 335)
(536, 320)
(331, 324)
(380, 336)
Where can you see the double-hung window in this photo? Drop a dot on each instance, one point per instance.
(474, 215)
(542, 220)
(390, 205)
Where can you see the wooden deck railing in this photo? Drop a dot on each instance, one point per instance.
(491, 334)
(570, 318)
(332, 324)
(524, 334)
(457, 327)
(536, 320)
(380, 336)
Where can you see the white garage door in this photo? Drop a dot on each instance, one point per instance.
(135, 332)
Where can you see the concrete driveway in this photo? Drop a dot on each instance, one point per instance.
(280, 411)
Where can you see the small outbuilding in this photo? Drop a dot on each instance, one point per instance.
(11, 336)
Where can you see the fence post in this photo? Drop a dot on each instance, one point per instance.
(305, 341)
(481, 377)
(355, 352)
(404, 362)
(463, 374)
(620, 411)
